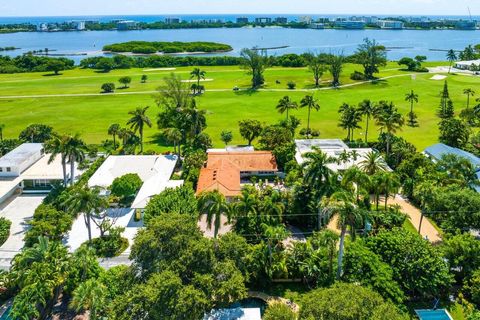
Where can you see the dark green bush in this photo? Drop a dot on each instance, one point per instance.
(4, 230)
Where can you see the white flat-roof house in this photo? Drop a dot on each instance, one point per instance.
(333, 148)
(154, 170)
(27, 169)
(20, 159)
(467, 65)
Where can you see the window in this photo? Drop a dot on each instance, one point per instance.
(1, 169)
(9, 169)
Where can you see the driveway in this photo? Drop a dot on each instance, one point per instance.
(122, 218)
(19, 212)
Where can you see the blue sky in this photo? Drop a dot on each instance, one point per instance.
(105, 7)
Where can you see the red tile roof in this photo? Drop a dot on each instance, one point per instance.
(222, 170)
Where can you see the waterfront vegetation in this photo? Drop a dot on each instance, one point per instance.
(146, 47)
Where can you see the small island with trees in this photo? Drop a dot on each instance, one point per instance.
(154, 47)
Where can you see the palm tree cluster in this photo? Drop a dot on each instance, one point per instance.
(137, 123)
(71, 149)
(348, 197)
(286, 104)
(198, 75)
(385, 114)
(181, 122)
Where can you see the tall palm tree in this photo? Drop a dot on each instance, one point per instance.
(138, 121)
(57, 146)
(390, 185)
(113, 130)
(390, 122)
(316, 171)
(355, 179)
(198, 75)
(451, 57)
(343, 204)
(311, 103)
(367, 108)
(174, 135)
(349, 119)
(90, 295)
(411, 97)
(470, 93)
(75, 150)
(87, 201)
(213, 204)
(373, 163)
(285, 104)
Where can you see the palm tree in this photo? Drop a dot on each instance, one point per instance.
(213, 204)
(316, 171)
(470, 93)
(391, 122)
(113, 130)
(349, 119)
(411, 97)
(390, 185)
(343, 204)
(311, 103)
(87, 201)
(90, 295)
(198, 75)
(57, 146)
(174, 135)
(138, 121)
(2, 126)
(75, 150)
(355, 179)
(451, 57)
(373, 163)
(367, 108)
(285, 104)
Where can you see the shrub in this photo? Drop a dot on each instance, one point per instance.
(48, 222)
(279, 311)
(291, 85)
(125, 81)
(179, 200)
(108, 87)
(126, 186)
(4, 230)
(356, 75)
(110, 245)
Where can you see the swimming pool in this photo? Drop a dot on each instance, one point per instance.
(5, 315)
(429, 314)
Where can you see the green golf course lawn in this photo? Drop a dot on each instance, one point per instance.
(39, 98)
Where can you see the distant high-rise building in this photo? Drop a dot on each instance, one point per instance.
(263, 20)
(281, 20)
(172, 20)
(242, 20)
(466, 25)
(390, 24)
(350, 24)
(306, 19)
(126, 25)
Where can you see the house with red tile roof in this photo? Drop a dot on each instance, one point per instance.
(225, 170)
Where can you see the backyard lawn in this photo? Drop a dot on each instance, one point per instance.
(72, 102)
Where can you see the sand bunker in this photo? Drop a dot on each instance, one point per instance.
(438, 77)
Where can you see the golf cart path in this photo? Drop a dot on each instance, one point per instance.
(67, 95)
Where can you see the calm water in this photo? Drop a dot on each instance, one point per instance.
(403, 42)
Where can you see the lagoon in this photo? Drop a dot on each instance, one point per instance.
(399, 42)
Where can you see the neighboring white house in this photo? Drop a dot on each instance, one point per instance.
(334, 148)
(27, 169)
(467, 65)
(20, 159)
(437, 151)
(155, 171)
